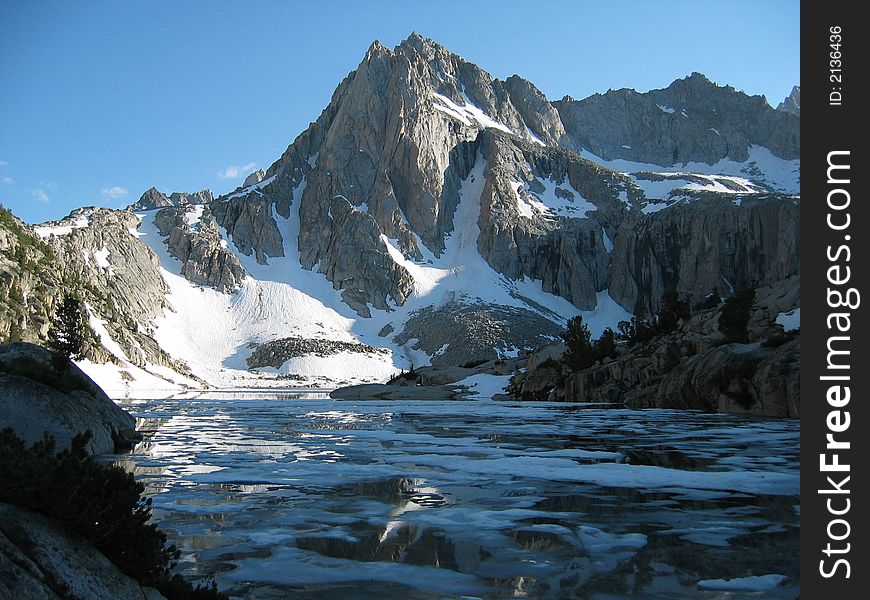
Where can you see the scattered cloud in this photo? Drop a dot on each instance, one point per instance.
(235, 171)
(3, 163)
(115, 192)
(47, 185)
(39, 196)
(7, 180)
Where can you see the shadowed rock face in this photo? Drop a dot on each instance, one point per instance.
(691, 367)
(41, 393)
(41, 560)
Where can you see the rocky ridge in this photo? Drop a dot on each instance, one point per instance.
(154, 198)
(692, 120)
(96, 254)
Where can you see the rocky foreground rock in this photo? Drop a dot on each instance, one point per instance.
(40, 560)
(41, 393)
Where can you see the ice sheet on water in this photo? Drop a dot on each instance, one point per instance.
(482, 475)
(757, 583)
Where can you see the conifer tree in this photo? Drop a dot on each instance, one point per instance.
(67, 333)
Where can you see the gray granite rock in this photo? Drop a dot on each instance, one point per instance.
(40, 560)
(40, 392)
(200, 249)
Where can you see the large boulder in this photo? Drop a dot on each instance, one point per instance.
(40, 560)
(41, 392)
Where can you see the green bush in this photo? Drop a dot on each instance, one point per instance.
(102, 503)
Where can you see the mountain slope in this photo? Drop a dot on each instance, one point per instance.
(433, 213)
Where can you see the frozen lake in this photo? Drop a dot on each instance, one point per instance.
(307, 497)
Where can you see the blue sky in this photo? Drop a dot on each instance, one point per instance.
(101, 100)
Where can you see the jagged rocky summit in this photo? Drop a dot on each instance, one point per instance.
(428, 191)
(792, 102)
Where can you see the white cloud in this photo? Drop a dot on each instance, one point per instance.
(235, 171)
(39, 196)
(115, 192)
(8, 180)
(49, 185)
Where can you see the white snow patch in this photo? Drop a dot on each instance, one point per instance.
(256, 187)
(714, 130)
(607, 313)
(101, 257)
(608, 245)
(193, 215)
(99, 328)
(666, 109)
(672, 183)
(548, 204)
(485, 385)
(47, 230)
(762, 167)
(468, 113)
(652, 207)
(791, 320)
(534, 137)
(626, 146)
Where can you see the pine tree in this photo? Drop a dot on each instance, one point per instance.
(67, 333)
(734, 318)
(578, 340)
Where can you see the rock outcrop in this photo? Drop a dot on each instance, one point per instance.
(40, 392)
(40, 560)
(96, 254)
(193, 238)
(277, 352)
(458, 333)
(255, 177)
(690, 368)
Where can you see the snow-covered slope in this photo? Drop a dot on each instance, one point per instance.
(214, 333)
